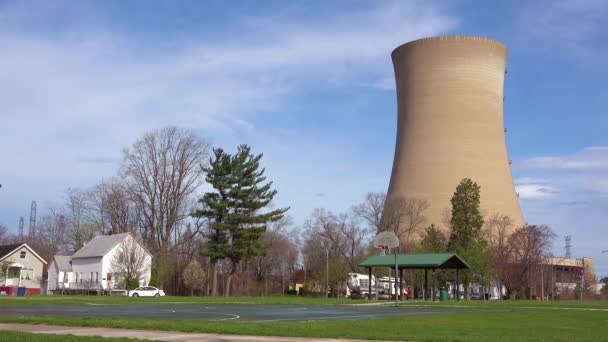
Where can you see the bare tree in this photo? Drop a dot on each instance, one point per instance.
(195, 276)
(53, 230)
(130, 262)
(162, 170)
(282, 253)
(344, 233)
(116, 210)
(370, 211)
(77, 206)
(497, 230)
(3, 234)
(404, 217)
(526, 250)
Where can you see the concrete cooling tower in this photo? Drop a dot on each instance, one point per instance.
(450, 125)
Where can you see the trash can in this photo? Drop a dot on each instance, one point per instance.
(21, 292)
(443, 295)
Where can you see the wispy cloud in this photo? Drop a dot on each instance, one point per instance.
(91, 90)
(530, 188)
(572, 26)
(588, 159)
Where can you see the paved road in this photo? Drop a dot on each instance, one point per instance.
(247, 312)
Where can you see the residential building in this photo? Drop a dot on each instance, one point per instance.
(90, 268)
(22, 268)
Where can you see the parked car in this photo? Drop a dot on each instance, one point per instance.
(147, 291)
(476, 296)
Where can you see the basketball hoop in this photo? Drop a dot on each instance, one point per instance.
(385, 241)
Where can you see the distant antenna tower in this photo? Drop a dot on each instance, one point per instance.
(32, 231)
(20, 228)
(568, 246)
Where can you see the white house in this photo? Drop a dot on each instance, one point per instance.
(90, 268)
(22, 268)
(60, 273)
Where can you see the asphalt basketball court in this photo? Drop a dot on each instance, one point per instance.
(234, 312)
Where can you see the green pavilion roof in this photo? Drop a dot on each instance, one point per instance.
(417, 261)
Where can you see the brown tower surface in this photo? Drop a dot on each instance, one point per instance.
(450, 125)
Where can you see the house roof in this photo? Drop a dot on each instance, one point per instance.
(99, 246)
(7, 250)
(417, 261)
(63, 263)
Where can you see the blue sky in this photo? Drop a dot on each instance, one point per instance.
(309, 84)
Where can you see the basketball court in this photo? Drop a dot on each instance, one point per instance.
(229, 312)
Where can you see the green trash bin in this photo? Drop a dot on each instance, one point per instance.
(443, 295)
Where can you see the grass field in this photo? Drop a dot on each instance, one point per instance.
(524, 321)
(292, 300)
(6, 336)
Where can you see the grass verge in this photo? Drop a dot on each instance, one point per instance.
(515, 325)
(6, 336)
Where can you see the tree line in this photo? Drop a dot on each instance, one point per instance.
(208, 218)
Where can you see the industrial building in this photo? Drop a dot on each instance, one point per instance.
(450, 125)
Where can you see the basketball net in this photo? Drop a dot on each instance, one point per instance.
(383, 249)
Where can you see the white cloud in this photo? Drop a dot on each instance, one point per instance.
(536, 191)
(72, 100)
(588, 159)
(533, 188)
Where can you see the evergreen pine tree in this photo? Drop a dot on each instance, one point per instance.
(214, 207)
(236, 209)
(248, 197)
(465, 238)
(466, 218)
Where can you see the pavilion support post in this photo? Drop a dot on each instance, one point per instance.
(369, 284)
(433, 287)
(402, 297)
(426, 283)
(457, 286)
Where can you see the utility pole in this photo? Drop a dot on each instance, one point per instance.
(583, 279)
(542, 283)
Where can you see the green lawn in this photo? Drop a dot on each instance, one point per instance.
(29, 337)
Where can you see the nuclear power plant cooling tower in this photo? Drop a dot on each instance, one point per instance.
(450, 125)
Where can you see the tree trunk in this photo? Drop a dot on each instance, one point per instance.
(214, 279)
(227, 289)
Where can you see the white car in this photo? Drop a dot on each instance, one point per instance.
(147, 291)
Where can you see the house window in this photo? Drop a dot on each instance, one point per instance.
(22, 255)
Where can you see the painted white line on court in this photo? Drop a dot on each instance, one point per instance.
(226, 314)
